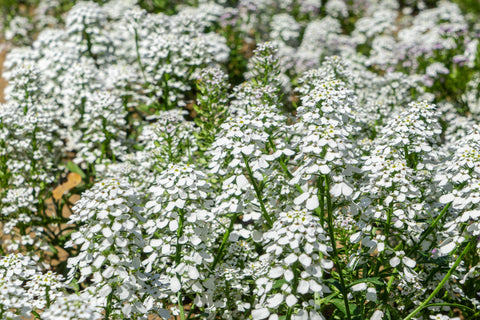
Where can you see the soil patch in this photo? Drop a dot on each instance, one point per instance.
(3, 82)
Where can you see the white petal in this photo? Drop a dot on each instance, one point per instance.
(248, 150)
(326, 264)
(336, 190)
(354, 238)
(175, 285)
(312, 203)
(107, 273)
(303, 287)
(359, 286)
(98, 261)
(288, 275)
(314, 315)
(294, 244)
(371, 294)
(324, 169)
(273, 156)
(409, 262)
(447, 248)
(377, 315)
(300, 315)
(409, 274)
(257, 236)
(114, 259)
(124, 293)
(156, 242)
(126, 310)
(107, 233)
(311, 169)
(395, 261)
(314, 286)
(305, 260)
(283, 240)
(301, 198)
(347, 190)
(291, 259)
(95, 228)
(105, 291)
(173, 225)
(193, 273)
(275, 300)
(242, 181)
(180, 203)
(291, 300)
(147, 249)
(97, 277)
(260, 314)
(446, 198)
(276, 272)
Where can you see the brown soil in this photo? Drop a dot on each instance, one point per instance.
(3, 82)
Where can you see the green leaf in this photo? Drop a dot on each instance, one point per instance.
(52, 247)
(335, 283)
(72, 167)
(279, 283)
(387, 314)
(326, 300)
(35, 313)
(339, 303)
(74, 285)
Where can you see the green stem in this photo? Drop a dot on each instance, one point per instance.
(166, 90)
(178, 257)
(180, 305)
(319, 210)
(321, 201)
(390, 282)
(138, 57)
(257, 192)
(389, 222)
(108, 308)
(334, 246)
(429, 229)
(178, 248)
(190, 312)
(387, 236)
(224, 241)
(289, 313)
(280, 159)
(440, 285)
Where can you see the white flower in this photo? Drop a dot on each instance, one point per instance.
(359, 287)
(371, 294)
(377, 315)
(341, 189)
(258, 314)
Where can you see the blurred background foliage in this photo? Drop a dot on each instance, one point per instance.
(9, 9)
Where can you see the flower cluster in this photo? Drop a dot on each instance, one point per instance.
(111, 244)
(24, 288)
(240, 160)
(297, 258)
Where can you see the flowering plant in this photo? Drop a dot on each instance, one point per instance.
(242, 160)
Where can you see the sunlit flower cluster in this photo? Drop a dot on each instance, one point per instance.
(240, 160)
